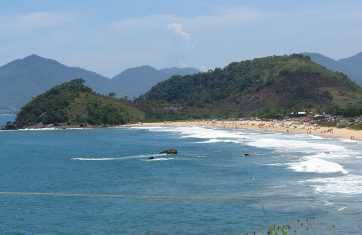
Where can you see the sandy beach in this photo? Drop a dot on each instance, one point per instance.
(286, 126)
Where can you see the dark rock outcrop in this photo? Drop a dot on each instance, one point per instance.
(8, 126)
(169, 151)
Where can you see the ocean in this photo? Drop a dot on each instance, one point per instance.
(100, 181)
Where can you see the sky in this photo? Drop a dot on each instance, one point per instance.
(110, 36)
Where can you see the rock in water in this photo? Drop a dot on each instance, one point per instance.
(169, 151)
(151, 158)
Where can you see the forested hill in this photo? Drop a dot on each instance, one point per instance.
(72, 103)
(261, 84)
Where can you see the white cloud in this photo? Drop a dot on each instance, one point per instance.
(30, 21)
(146, 22)
(42, 19)
(213, 35)
(224, 17)
(220, 18)
(177, 28)
(185, 27)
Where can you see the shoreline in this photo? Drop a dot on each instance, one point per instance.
(286, 126)
(278, 126)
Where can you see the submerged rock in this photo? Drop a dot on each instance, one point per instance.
(246, 154)
(169, 151)
(151, 158)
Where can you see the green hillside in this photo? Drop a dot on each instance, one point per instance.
(73, 103)
(270, 83)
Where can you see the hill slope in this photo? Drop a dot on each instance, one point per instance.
(23, 79)
(351, 66)
(268, 83)
(75, 104)
(134, 82)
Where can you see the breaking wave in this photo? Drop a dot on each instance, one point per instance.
(348, 184)
(114, 158)
(317, 165)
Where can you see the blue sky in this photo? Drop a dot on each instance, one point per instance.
(110, 36)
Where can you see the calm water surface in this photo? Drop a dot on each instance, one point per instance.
(99, 181)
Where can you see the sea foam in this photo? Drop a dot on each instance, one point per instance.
(348, 184)
(54, 129)
(161, 159)
(115, 158)
(212, 134)
(317, 165)
(277, 141)
(295, 145)
(94, 159)
(210, 141)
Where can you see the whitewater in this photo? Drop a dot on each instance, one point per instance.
(312, 154)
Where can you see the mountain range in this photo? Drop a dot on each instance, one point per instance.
(351, 66)
(134, 82)
(23, 79)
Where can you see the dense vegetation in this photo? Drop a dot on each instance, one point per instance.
(271, 85)
(76, 104)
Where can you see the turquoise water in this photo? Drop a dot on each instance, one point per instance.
(4, 118)
(99, 181)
